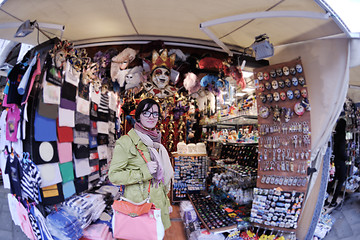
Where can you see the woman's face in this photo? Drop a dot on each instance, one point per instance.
(147, 118)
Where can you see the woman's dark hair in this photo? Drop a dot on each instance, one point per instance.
(145, 105)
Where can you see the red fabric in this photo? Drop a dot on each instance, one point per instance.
(64, 134)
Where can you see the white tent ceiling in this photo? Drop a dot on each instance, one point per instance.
(111, 21)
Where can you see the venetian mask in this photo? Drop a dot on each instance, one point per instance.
(283, 96)
(294, 81)
(260, 76)
(274, 84)
(297, 94)
(304, 93)
(301, 81)
(292, 71)
(60, 58)
(160, 77)
(286, 71)
(299, 68)
(276, 96)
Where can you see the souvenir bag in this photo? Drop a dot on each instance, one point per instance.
(137, 221)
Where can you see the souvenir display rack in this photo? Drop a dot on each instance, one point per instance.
(190, 172)
(284, 144)
(213, 217)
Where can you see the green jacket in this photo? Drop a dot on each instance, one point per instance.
(129, 168)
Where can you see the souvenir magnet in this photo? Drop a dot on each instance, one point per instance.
(281, 83)
(261, 87)
(288, 82)
(266, 76)
(301, 81)
(304, 92)
(283, 96)
(299, 68)
(273, 73)
(264, 112)
(268, 85)
(286, 70)
(274, 84)
(299, 109)
(292, 71)
(276, 96)
(294, 81)
(263, 98)
(290, 94)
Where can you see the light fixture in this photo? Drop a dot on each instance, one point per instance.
(25, 28)
(262, 47)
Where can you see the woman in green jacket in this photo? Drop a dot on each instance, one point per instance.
(130, 169)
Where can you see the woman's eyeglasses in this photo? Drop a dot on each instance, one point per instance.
(147, 114)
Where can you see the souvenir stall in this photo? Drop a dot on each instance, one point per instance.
(65, 108)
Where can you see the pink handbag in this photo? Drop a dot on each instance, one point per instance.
(136, 221)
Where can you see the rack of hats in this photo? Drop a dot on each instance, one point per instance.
(284, 145)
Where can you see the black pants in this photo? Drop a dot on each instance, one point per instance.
(340, 175)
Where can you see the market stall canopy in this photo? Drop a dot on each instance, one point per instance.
(109, 20)
(206, 23)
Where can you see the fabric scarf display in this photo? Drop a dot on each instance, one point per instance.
(102, 151)
(44, 129)
(93, 128)
(81, 184)
(81, 137)
(48, 110)
(67, 104)
(70, 77)
(102, 139)
(67, 172)
(94, 111)
(64, 225)
(81, 151)
(68, 189)
(82, 167)
(68, 92)
(66, 117)
(45, 152)
(51, 92)
(82, 106)
(65, 152)
(82, 122)
(94, 164)
(12, 121)
(50, 174)
(64, 134)
(52, 194)
(92, 141)
(54, 75)
(103, 166)
(103, 127)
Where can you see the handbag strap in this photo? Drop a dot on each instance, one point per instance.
(142, 155)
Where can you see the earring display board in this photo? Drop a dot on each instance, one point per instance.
(284, 126)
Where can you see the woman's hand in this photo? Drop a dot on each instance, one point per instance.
(152, 166)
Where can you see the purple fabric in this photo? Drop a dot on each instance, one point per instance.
(67, 104)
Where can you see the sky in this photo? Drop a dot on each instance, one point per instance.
(348, 11)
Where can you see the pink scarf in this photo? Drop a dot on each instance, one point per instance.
(153, 134)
